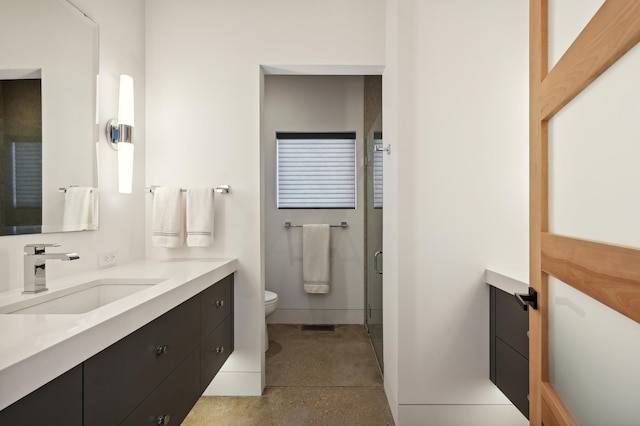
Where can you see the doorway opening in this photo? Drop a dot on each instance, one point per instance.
(325, 103)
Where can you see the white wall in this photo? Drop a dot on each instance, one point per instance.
(203, 109)
(313, 104)
(455, 114)
(122, 220)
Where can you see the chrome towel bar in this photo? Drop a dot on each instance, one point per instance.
(70, 186)
(342, 225)
(222, 189)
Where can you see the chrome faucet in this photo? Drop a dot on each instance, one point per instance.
(35, 274)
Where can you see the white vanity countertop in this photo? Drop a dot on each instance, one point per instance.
(36, 348)
(511, 282)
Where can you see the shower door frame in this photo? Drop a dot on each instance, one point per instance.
(373, 267)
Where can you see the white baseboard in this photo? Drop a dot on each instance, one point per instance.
(460, 415)
(316, 316)
(235, 383)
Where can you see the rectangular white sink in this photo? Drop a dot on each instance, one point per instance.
(81, 298)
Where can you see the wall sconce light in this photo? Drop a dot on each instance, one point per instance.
(119, 132)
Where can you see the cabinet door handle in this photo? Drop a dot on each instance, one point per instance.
(218, 303)
(219, 349)
(163, 419)
(160, 350)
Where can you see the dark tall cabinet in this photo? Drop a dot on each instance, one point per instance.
(509, 348)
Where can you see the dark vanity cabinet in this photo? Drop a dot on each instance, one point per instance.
(59, 402)
(216, 331)
(172, 400)
(153, 376)
(120, 377)
(509, 348)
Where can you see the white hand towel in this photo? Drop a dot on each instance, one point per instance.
(168, 218)
(80, 209)
(315, 258)
(200, 202)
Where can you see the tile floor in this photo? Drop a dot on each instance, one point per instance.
(313, 378)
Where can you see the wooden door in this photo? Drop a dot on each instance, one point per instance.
(605, 272)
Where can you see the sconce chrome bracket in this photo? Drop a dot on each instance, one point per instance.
(112, 132)
(117, 133)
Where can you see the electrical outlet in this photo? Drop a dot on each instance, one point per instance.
(107, 258)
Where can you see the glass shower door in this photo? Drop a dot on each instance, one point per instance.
(374, 264)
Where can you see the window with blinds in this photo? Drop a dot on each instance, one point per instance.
(26, 161)
(377, 173)
(316, 170)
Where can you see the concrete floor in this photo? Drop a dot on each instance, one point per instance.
(313, 378)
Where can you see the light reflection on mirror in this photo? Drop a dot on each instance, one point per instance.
(48, 69)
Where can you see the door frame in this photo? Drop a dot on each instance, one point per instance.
(606, 272)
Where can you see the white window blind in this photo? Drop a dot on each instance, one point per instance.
(377, 175)
(26, 159)
(316, 170)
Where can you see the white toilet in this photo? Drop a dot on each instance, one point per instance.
(270, 304)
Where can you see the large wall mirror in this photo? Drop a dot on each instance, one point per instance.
(48, 126)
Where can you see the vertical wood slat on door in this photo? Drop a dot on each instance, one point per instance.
(538, 66)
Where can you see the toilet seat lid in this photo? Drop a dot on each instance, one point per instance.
(270, 296)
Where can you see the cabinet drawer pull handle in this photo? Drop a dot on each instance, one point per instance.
(219, 303)
(163, 419)
(220, 349)
(160, 350)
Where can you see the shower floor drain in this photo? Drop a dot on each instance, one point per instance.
(318, 328)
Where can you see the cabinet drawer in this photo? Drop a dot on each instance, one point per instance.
(512, 376)
(121, 376)
(173, 398)
(214, 351)
(59, 402)
(216, 302)
(512, 322)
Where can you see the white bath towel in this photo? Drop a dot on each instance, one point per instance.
(315, 258)
(200, 203)
(80, 209)
(168, 218)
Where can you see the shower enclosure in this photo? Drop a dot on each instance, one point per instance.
(373, 238)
